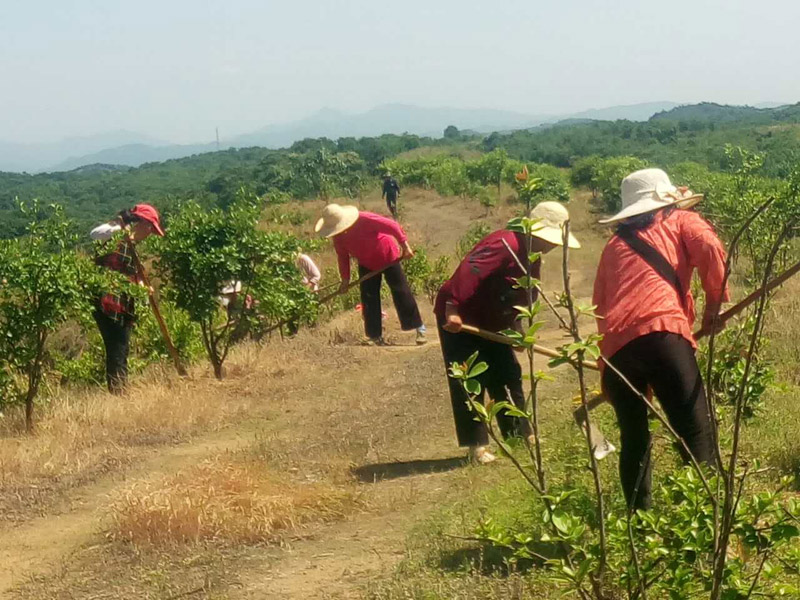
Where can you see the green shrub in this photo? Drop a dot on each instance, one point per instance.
(43, 282)
(727, 370)
(610, 174)
(553, 184)
(584, 172)
(489, 169)
(426, 276)
(208, 249)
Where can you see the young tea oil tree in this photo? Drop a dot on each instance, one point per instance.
(207, 250)
(489, 168)
(43, 281)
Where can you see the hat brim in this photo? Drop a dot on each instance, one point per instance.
(650, 205)
(556, 237)
(349, 216)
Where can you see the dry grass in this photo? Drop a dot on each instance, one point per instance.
(221, 501)
(81, 434)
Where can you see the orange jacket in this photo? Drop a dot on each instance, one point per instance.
(634, 300)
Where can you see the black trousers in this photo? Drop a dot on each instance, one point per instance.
(391, 204)
(116, 339)
(503, 381)
(665, 362)
(404, 301)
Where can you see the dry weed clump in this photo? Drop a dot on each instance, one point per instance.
(82, 433)
(220, 501)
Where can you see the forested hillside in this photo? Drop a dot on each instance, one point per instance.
(697, 133)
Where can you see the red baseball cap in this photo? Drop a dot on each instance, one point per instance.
(150, 214)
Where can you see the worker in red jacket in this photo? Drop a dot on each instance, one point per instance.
(376, 242)
(483, 293)
(646, 311)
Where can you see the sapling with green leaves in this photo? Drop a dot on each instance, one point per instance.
(208, 251)
(43, 282)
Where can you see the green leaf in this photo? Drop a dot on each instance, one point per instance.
(472, 386)
(479, 368)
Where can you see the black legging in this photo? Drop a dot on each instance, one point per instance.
(116, 338)
(665, 362)
(404, 302)
(503, 381)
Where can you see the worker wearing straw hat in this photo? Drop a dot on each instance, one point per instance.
(114, 313)
(645, 312)
(483, 293)
(375, 242)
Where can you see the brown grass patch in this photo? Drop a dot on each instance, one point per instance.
(221, 501)
(81, 434)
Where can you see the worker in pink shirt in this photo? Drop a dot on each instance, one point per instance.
(375, 242)
(645, 312)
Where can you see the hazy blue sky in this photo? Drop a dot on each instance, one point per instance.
(175, 69)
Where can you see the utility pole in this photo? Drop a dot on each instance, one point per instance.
(217, 139)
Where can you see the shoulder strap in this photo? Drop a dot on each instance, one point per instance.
(655, 259)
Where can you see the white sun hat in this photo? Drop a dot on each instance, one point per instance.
(649, 190)
(335, 219)
(551, 217)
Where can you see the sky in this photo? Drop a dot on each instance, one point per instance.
(176, 69)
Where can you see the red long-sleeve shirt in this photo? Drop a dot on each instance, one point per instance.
(634, 300)
(482, 287)
(373, 240)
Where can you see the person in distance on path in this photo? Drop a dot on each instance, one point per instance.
(391, 190)
(375, 242)
(481, 293)
(114, 313)
(645, 312)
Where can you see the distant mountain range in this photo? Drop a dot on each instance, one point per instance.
(132, 149)
(38, 157)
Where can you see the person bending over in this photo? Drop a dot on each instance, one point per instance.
(482, 292)
(645, 312)
(376, 243)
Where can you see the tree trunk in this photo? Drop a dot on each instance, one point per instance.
(217, 369)
(29, 408)
(34, 378)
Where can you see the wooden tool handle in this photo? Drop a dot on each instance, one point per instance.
(752, 297)
(504, 339)
(176, 359)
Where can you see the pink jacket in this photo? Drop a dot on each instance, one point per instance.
(633, 300)
(373, 240)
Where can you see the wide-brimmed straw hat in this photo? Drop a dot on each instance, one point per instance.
(649, 190)
(551, 217)
(335, 219)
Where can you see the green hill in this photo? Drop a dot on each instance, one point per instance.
(697, 133)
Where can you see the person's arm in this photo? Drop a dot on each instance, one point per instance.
(343, 258)
(707, 254)
(383, 193)
(453, 322)
(313, 273)
(105, 231)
